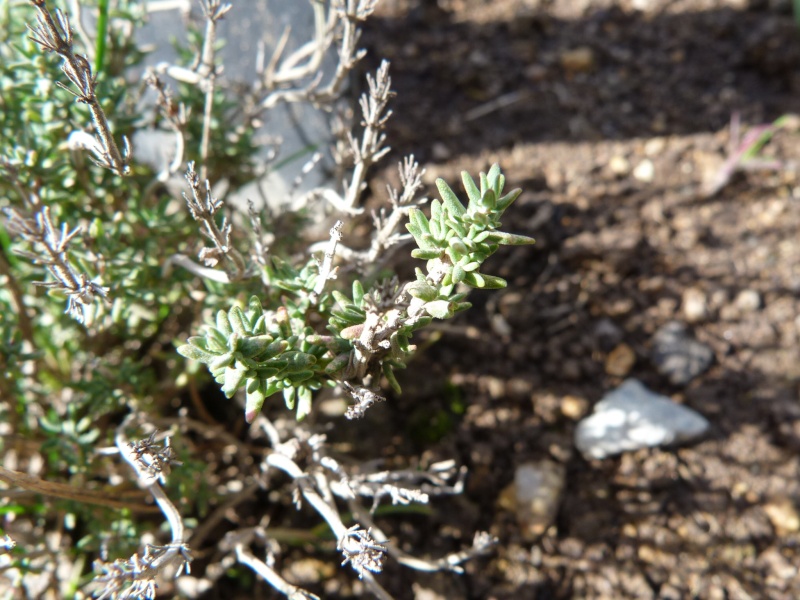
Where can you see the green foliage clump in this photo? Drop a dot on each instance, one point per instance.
(278, 350)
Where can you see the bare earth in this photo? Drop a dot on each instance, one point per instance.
(614, 117)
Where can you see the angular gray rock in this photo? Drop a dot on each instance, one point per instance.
(632, 417)
(677, 355)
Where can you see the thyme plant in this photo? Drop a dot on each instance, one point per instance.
(98, 288)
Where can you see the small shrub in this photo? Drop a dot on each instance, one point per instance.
(98, 291)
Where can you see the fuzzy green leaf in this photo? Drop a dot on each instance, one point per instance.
(358, 293)
(489, 199)
(439, 309)
(388, 372)
(254, 346)
(216, 340)
(505, 201)
(223, 324)
(254, 401)
(340, 298)
(220, 362)
(486, 282)
(255, 310)
(237, 320)
(422, 290)
(458, 274)
(418, 220)
(472, 190)
(193, 352)
(233, 379)
(426, 254)
(289, 397)
(450, 199)
(510, 239)
(303, 402)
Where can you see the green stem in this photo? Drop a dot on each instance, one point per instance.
(102, 30)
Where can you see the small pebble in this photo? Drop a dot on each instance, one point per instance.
(578, 60)
(573, 407)
(440, 151)
(535, 496)
(654, 146)
(748, 301)
(620, 361)
(645, 171)
(619, 165)
(677, 355)
(783, 515)
(607, 335)
(694, 305)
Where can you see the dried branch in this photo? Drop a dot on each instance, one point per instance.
(203, 207)
(49, 247)
(57, 37)
(271, 576)
(281, 79)
(214, 11)
(326, 270)
(176, 118)
(356, 544)
(136, 577)
(371, 149)
(69, 492)
(388, 224)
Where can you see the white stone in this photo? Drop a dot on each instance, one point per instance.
(694, 305)
(748, 301)
(632, 417)
(645, 171)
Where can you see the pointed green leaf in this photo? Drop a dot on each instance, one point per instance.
(303, 402)
(486, 282)
(472, 190)
(461, 306)
(507, 200)
(260, 327)
(458, 274)
(237, 320)
(418, 219)
(422, 322)
(254, 346)
(422, 290)
(489, 199)
(358, 293)
(195, 353)
(289, 397)
(437, 231)
(436, 210)
(458, 249)
(427, 254)
(340, 298)
(439, 309)
(510, 239)
(255, 400)
(484, 183)
(276, 348)
(255, 310)
(478, 236)
(222, 323)
(450, 199)
(233, 379)
(216, 340)
(220, 362)
(388, 372)
(457, 228)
